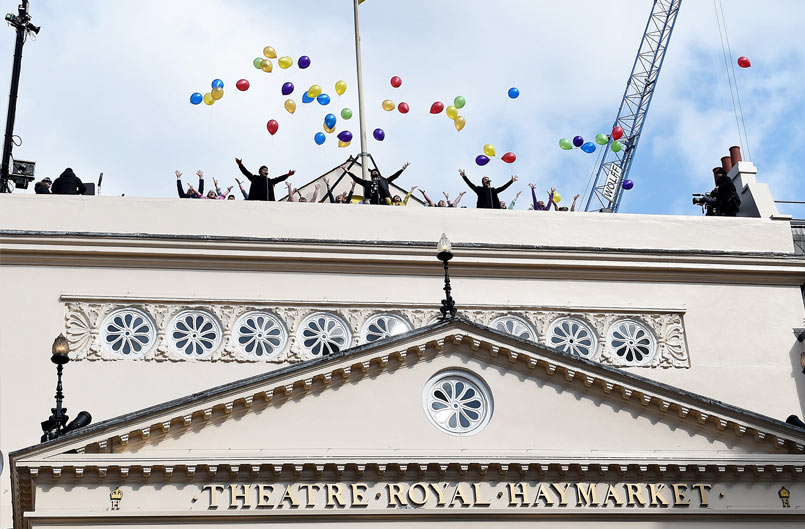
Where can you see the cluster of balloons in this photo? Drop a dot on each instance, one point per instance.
(216, 93)
(600, 139)
(490, 152)
(451, 111)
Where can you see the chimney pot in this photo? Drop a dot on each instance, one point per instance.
(726, 163)
(735, 154)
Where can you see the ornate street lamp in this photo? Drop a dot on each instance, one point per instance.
(445, 253)
(56, 425)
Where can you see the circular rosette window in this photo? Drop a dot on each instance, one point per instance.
(574, 336)
(457, 402)
(631, 342)
(323, 334)
(129, 333)
(516, 326)
(194, 333)
(383, 326)
(260, 335)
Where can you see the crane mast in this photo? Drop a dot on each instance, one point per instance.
(614, 168)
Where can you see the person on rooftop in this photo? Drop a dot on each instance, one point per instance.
(43, 187)
(221, 196)
(191, 193)
(291, 193)
(453, 204)
(513, 202)
(724, 196)
(376, 190)
(487, 195)
(572, 206)
(397, 201)
(539, 205)
(262, 187)
(68, 184)
(343, 198)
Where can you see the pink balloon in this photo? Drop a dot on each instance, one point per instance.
(272, 126)
(436, 107)
(509, 157)
(396, 82)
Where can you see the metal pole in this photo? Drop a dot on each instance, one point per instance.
(364, 165)
(12, 98)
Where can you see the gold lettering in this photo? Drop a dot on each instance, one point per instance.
(703, 488)
(656, 497)
(476, 487)
(562, 493)
(634, 494)
(440, 491)
(289, 495)
(679, 494)
(544, 495)
(234, 496)
(521, 492)
(358, 489)
(613, 493)
(395, 495)
(424, 492)
(462, 496)
(309, 489)
(213, 496)
(588, 496)
(262, 495)
(334, 498)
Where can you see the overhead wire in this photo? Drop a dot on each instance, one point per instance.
(735, 79)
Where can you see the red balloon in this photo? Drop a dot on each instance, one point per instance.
(272, 126)
(242, 85)
(744, 62)
(403, 108)
(436, 107)
(617, 133)
(396, 82)
(509, 157)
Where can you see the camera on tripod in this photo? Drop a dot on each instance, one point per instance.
(706, 201)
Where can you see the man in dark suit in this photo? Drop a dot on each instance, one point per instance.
(262, 187)
(376, 190)
(487, 195)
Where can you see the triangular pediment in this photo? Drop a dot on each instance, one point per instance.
(367, 403)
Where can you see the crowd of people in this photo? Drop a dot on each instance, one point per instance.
(375, 190)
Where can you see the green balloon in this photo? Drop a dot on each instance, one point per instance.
(601, 139)
(258, 63)
(459, 102)
(566, 144)
(346, 113)
(616, 146)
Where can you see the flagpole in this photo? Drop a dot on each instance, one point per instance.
(364, 154)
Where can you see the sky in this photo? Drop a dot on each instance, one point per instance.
(105, 87)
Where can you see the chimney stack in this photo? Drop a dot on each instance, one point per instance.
(726, 163)
(735, 154)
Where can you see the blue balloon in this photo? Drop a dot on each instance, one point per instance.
(329, 120)
(323, 99)
(319, 138)
(514, 93)
(196, 98)
(304, 61)
(306, 98)
(481, 159)
(345, 136)
(588, 147)
(578, 141)
(287, 89)
(379, 134)
(217, 84)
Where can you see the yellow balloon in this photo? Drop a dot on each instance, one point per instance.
(328, 131)
(388, 105)
(460, 122)
(340, 87)
(489, 150)
(217, 93)
(285, 62)
(451, 112)
(290, 106)
(343, 143)
(269, 52)
(208, 98)
(557, 197)
(266, 65)
(314, 91)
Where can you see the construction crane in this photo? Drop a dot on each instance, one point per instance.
(607, 189)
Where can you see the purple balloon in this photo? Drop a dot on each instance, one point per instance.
(304, 61)
(379, 134)
(578, 141)
(345, 136)
(287, 89)
(481, 159)
(627, 185)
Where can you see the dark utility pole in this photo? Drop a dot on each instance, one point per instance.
(22, 23)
